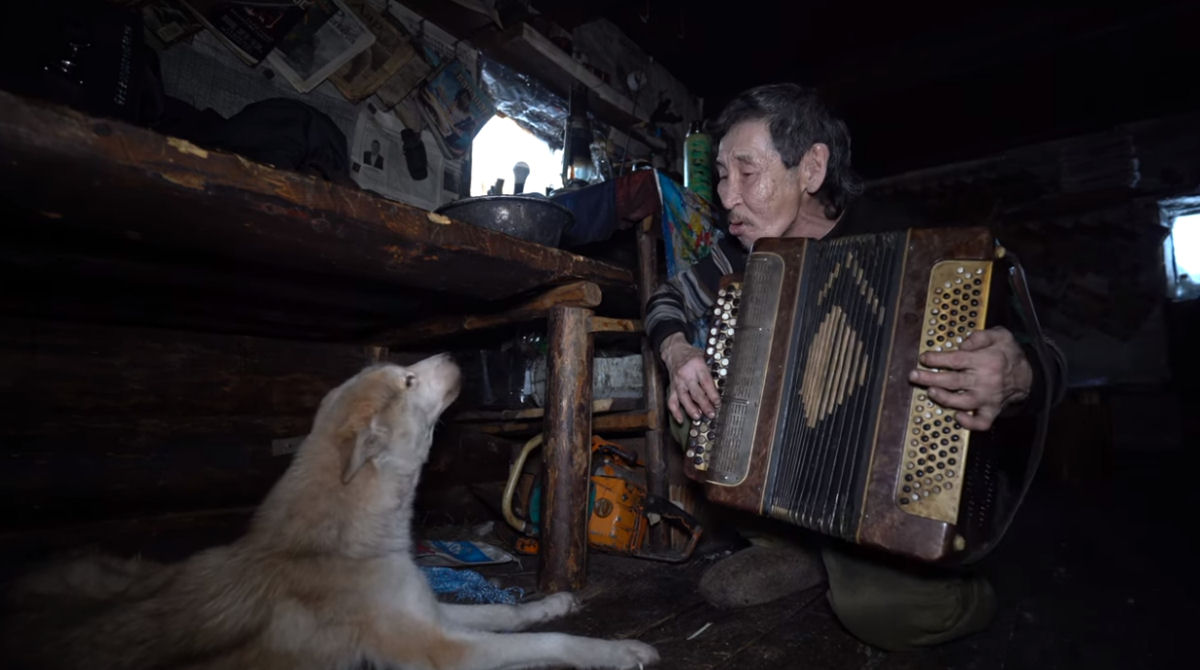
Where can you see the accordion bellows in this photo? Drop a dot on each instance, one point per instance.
(819, 425)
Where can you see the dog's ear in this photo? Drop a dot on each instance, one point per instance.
(364, 435)
(369, 442)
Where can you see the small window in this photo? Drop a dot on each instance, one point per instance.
(1181, 256)
(499, 146)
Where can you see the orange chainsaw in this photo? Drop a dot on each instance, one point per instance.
(620, 512)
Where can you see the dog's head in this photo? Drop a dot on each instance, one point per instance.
(387, 413)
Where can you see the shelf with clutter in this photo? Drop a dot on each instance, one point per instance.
(175, 305)
(181, 307)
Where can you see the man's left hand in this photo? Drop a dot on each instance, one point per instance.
(986, 373)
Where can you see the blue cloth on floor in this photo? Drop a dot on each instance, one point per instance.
(470, 586)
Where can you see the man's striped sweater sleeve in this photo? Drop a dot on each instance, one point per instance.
(679, 303)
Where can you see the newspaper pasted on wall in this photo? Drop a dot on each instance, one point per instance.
(377, 161)
(328, 37)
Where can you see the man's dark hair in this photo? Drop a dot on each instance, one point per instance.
(798, 119)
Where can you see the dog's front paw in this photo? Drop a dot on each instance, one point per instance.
(633, 655)
(556, 605)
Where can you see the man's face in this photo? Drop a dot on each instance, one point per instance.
(762, 195)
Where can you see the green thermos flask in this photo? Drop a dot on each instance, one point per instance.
(697, 162)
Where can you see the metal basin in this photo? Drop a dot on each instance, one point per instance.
(529, 217)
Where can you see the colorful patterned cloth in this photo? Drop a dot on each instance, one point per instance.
(687, 225)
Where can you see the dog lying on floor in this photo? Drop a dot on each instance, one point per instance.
(323, 579)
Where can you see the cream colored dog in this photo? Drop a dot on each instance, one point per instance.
(323, 579)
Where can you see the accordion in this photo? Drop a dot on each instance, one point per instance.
(818, 424)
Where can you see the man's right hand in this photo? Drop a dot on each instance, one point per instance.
(691, 388)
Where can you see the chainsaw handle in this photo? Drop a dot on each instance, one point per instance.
(674, 514)
(601, 447)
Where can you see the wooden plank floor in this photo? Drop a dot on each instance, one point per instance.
(1086, 579)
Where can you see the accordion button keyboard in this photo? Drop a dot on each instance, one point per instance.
(937, 446)
(718, 351)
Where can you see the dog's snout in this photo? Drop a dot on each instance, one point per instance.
(444, 361)
(438, 365)
(440, 372)
(453, 376)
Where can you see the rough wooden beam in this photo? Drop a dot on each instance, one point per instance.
(575, 294)
(657, 480)
(567, 453)
(599, 406)
(616, 422)
(67, 170)
(604, 324)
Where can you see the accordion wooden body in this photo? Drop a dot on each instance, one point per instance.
(819, 425)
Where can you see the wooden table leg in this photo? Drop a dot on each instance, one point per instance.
(567, 451)
(656, 461)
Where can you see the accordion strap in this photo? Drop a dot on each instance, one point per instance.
(1040, 346)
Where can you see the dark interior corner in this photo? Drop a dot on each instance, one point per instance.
(188, 275)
